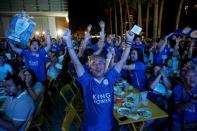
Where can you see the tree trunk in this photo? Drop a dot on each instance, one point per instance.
(139, 21)
(147, 17)
(110, 19)
(125, 21)
(115, 13)
(121, 19)
(160, 18)
(155, 23)
(128, 14)
(179, 14)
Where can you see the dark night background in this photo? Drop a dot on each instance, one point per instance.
(83, 12)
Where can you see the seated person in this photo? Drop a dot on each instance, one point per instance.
(168, 67)
(18, 108)
(137, 70)
(185, 99)
(34, 88)
(4, 67)
(160, 85)
(160, 52)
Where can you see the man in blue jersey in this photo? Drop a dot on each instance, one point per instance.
(97, 86)
(35, 58)
(185, 99)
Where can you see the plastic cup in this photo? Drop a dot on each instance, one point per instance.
(144, 99)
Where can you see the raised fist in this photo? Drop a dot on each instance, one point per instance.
(67, 35)
(129, 36)
(102, 24)
(89, 28)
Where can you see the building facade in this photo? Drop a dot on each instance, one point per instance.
(48, 14)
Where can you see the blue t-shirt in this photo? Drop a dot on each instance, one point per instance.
(138, 76)
(54, 48)
(118, 52)
(95, 47)
(159, 57)
(189, 114)
(141, 46)
(36, 63)
(98, 101)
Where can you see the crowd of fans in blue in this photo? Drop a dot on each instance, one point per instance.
(166, 67)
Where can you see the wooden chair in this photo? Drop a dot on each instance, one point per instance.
(71, 120)
(67, 94)
(38, 118)
(70, 99)
(78, 94)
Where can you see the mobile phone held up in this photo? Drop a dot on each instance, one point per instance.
(136, 29)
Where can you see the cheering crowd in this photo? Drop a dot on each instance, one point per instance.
(166, 67)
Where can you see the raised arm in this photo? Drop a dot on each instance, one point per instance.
(85, 41)
(48, 41)
(129, 37)
(77, 64)
(14, 48)
(102, 26)
(100, 45)
(109, 58)
(155, 82)
(102, 38)
(166, 82)
(165, 42)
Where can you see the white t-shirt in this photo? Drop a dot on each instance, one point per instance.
(52, 72)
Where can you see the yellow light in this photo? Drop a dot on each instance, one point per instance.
(59, 32)
(95, 36)
(37, 33)
(67, 19)
(43, 32)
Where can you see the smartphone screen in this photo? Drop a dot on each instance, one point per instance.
(136, 29)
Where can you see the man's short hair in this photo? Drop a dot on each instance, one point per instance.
(34, 40)
(93, 57)
(16, 79)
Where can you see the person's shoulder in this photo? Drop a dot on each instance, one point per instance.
(85, 75)
(139, 63)
(7, 65)
(25, 99)
(111, 71)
